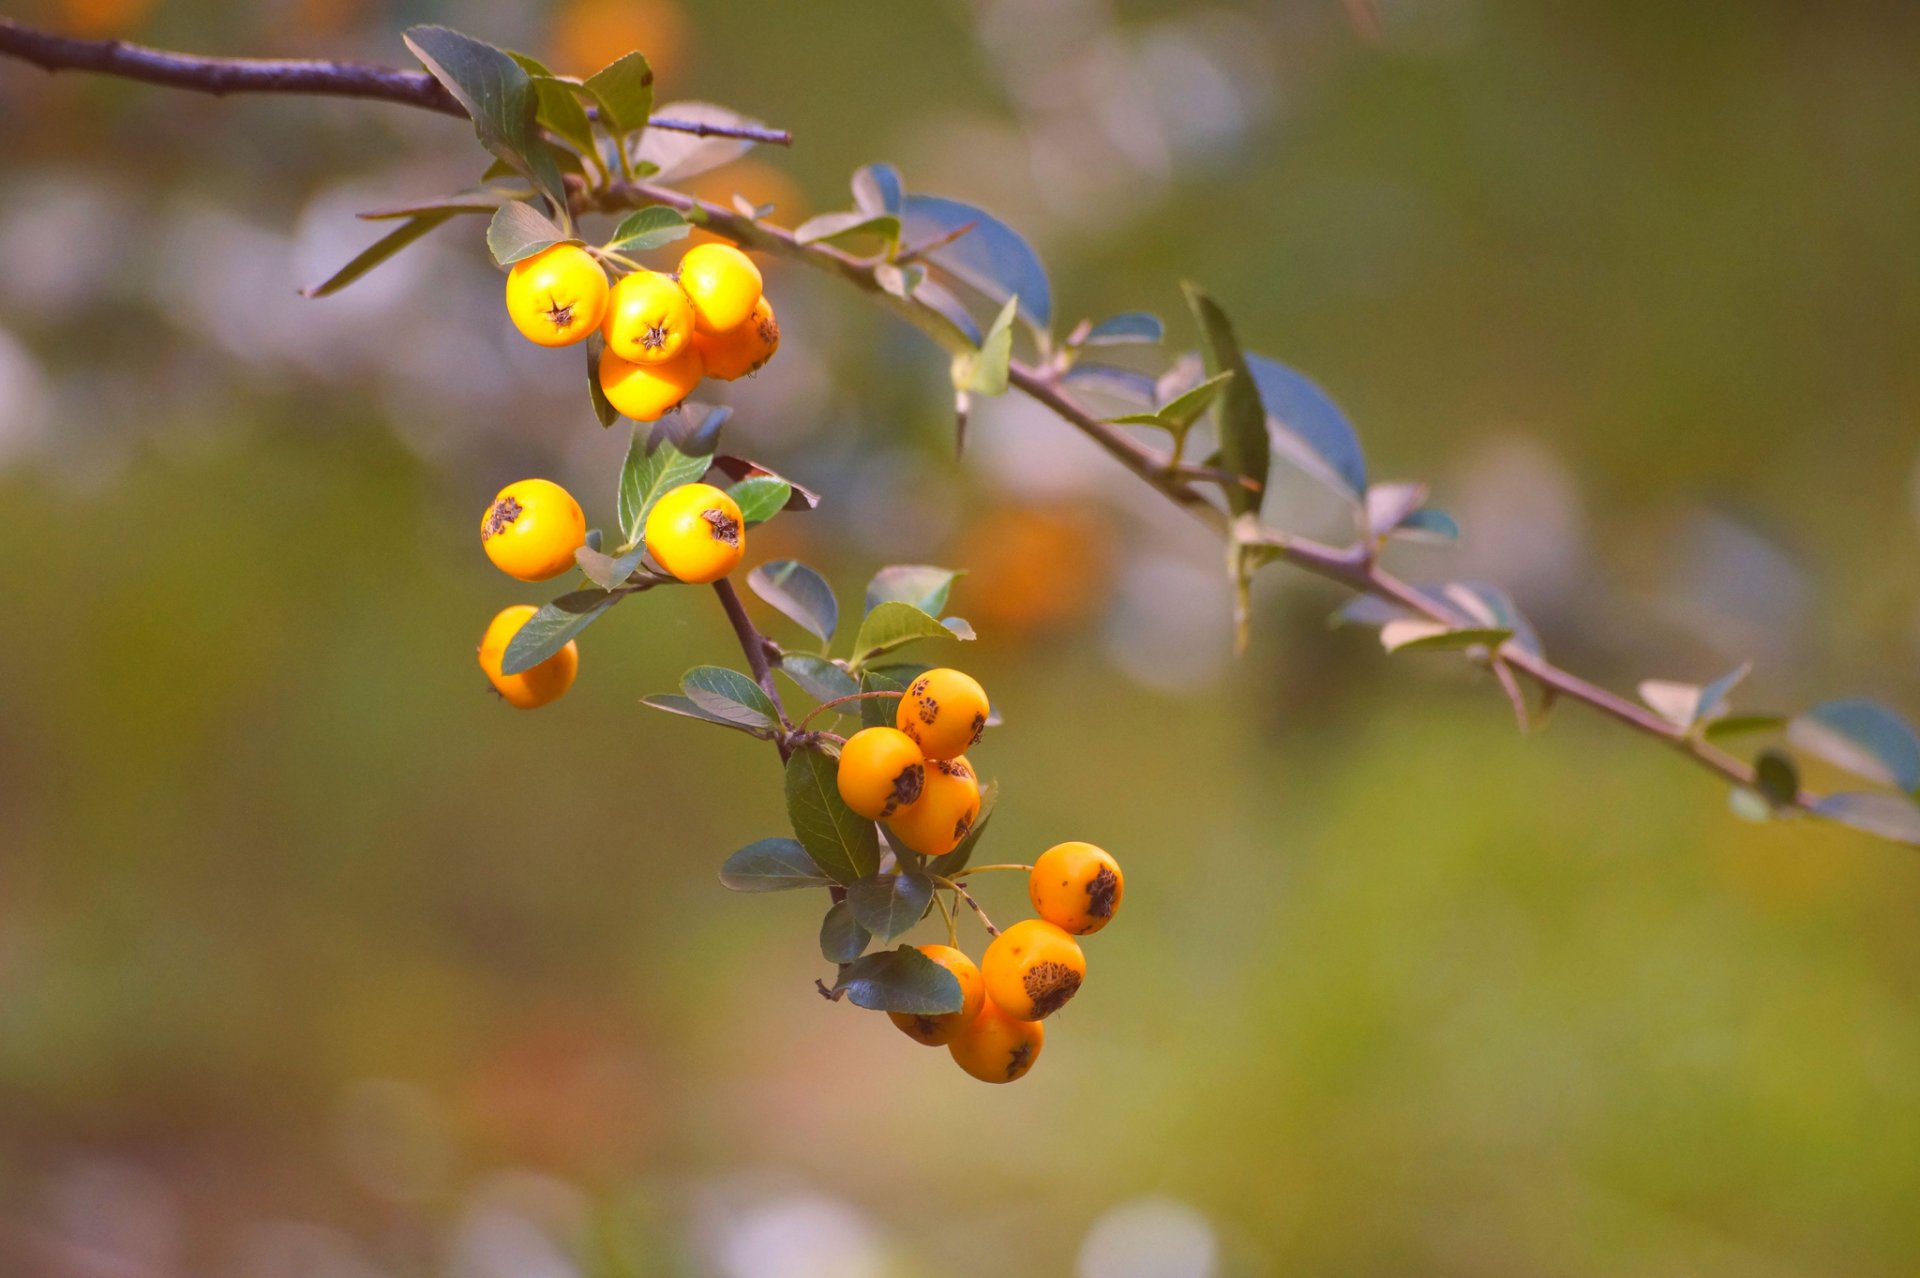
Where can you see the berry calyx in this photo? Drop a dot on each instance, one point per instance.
(557, 296)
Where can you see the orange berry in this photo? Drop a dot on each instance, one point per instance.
(696, 532)
(557, 296)
(1032, 969)
(941, 1029)
(1076, 887)
(530, 689)
(949, 803)
(649, 319)
(646, 392)
(996, 1048)
(739, 351)
(722, 283)
(945, 711)
(881, 770)
(532, 528)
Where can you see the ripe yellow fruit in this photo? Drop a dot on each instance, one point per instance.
(649, 319)
(530, 689)
(881, 771)
(645, 392)
(938, 1031)
(1076, 887)
(739, 351)
(722, 283)
(944, 711)
(1032, 969)
(532, 528)
(949, 802)
(996, 1048)
(696, 533)
(557, 296)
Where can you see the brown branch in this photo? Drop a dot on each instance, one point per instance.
(313, 77)
(754, 645)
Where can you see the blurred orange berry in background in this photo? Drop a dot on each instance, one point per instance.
(1032, 568)
(102, 18)
(588, 34)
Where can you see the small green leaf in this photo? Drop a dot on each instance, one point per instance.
(985, 371)
(673, 703)
(844, 845)
(624, 91)
(842, 939)
(1740, 725)
(496, 92)
(548, 630)
(1686, 706)
(1408, 635)
(1889, 816)
(1776, 778)
(820, 677)
(922, 585)
(647, 476)
(1308, 428)
(603, 408)
(606, 571)
(799, 592)
(518, 231)
(837, 228)
(892, 625)
(1126, 328)
(881, 712)
(650, 228)
(729, 695)
(1179, 414)
(379, 251)
(1862, 737)
(902, 980)
(888, 905)
(955, 861)
(480, 201)
(557, 105)
(760, 497)
(1428, 524)
(1238, 416)
(771, 865)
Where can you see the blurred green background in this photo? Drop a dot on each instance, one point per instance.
(315, 960)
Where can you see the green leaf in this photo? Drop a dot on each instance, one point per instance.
(1411, 634)
(1429, 524)
(1776, 778)
(1238, 415)
(821, 678)
(835, 228)
(688, 708)
(842, 939)
(1890, 816)
(760, 497)
(1125, 328)
(548, 630)
(985, 371)
(1686, 706)
(799, 592)
(729, 695)
(518, 231)
(603, 407)
(606, 571)
(888, 905)
(892, 625)
(650, 228)
(498, 94)
(624, 91)
(989, 256)
(881, 712)
(902, 980)
(923, 585)
(1179, 414)
(377, 252)
(1862, 737)
(647, 477)
(842, 844)
(1491, 606)
(955, 861)
(1308, 428)
(481, 201)
(557, 106)
(771, 865)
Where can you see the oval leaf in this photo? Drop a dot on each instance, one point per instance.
(771, 865)
(800, 593)
(379, 251)
(892, 625)
(518, 231)
(647, 476)
(761, 497)
(1241, 421)
(841, 843)
(923, 585)
(496, 92)
(1308, 428)
(821, 678)
(729, 695)
(549, 630)
(624, 91)
(988, 255)
(687, 707)
(1420, 634)
(1127, 327)
(842, 939)
(902, 980)
(1889, 816)
(1863, 737)
(888, 905)
(650, 228)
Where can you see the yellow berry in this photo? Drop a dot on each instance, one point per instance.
(696, 533)
(944, 711)
(738, 351)
(881, 770)
(1032, 969)
(941, 1029)
(645, 392)
(996, 1048)
(648, 319)
(722, 283)
(1076, 887)
(949, 802)
(530, 689)
(557, 296)
(532, 528)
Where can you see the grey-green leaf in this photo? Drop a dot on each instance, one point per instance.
(1124, 328)
(842, 939)
(902, 980)
(496, 92)
(730, 695)
(548, 630)
(892, 625)
(771, 865)
(923, 585)
(379, 251)
(1239, 416)
(1863, 737)
(821, 678)
(1413, 634)
(799, 592)
(835, 228)
(518, 231)
(843, 844)
(881, 712)
(888, 905)
(673, 703)
(1890, 816)
(650, 228)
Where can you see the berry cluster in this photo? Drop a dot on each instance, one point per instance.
(663, 333)
(915, 779)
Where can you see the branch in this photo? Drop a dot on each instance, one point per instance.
(1355, 567)
(313, 77)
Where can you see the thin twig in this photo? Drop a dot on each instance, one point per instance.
(986, 869)
(945, 882)
(807, 718)
(754, 645)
